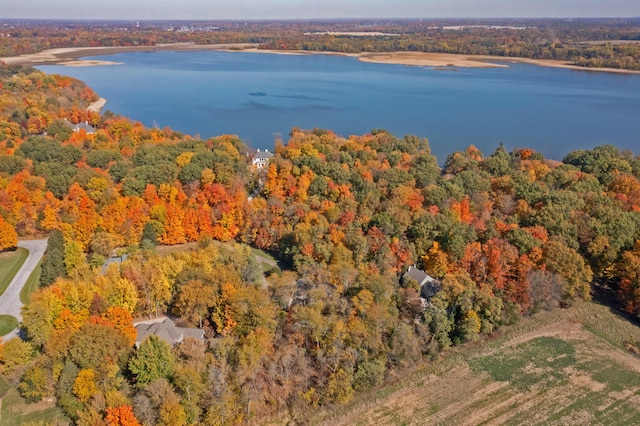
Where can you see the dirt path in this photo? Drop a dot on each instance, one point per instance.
(10, 302)
(261, 260)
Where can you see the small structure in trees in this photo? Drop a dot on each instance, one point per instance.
(83, 125)
(428, 285)
(166, 329)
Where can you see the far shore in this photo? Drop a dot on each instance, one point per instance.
(72, 57)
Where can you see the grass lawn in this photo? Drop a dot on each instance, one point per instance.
(258, 252)
(7, 323)
(16, 411)
(31, 285)
(10, 264)
(563, 367)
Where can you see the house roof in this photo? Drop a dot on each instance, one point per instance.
(86, 127)
(166, 330)
(80, 126)
(264, 155)
(429, 286)
(416, 274)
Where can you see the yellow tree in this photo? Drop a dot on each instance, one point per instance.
(435, 262)
(84, 387)
(8, 235)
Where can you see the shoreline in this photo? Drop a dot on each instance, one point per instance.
(72, 57)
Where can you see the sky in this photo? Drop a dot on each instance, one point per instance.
(310, 9)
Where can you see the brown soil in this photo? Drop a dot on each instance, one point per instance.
(460, 396)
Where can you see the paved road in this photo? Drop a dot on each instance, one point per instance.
(10, 303)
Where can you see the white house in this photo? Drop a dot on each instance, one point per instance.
(261, 159)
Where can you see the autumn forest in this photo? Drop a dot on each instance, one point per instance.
(505, 234)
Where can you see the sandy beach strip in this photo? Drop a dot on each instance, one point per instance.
(472, 61)
(72, 57)
(421, 59)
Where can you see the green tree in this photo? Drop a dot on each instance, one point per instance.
(149, 234)
(33, 386)
(152, 360)
(53, 261)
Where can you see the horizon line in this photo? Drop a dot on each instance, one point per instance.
(319, 19)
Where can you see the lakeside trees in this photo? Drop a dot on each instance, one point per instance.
(506, 235)
(611, 43)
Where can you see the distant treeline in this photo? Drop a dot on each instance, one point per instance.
(589, 42)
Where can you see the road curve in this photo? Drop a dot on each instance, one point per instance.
(10, 303)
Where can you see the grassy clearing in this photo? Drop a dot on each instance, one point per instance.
(10, 264)
(167, 250)
(16, 412)
(561, 367)
(262, 253)
(7, 323)
(269, 270)
(31, 285)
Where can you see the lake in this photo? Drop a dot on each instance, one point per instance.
(260, 96)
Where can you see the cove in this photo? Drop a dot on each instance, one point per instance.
(260, 96)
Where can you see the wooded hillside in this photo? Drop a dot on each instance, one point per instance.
(506, 234)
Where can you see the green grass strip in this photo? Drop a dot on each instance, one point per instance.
(7, 323)
(10, 264)
(258, 252)
(31, 285)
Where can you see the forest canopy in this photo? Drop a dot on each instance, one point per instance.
(504, 235)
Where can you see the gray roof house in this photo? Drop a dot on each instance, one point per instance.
(261, 158)
(429, 286)
(166, 330)
(80, 126)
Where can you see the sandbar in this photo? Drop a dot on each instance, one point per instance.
(421, 59)
(72, 57)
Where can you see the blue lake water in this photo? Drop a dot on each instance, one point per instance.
(259, 96)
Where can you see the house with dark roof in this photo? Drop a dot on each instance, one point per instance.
(429, 286)
(166, 330)
(261, 158)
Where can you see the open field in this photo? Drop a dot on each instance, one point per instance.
(15, 411)
(10, 264)
(564, 367)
